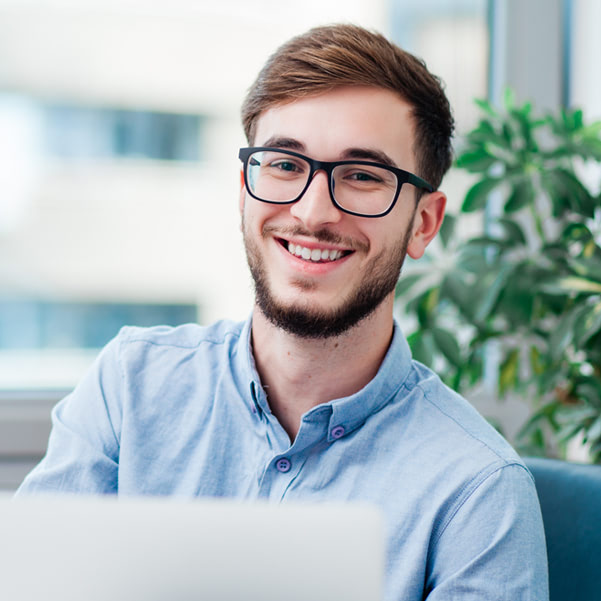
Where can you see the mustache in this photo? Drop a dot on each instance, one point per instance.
(321, 235)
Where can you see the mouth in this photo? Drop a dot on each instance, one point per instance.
(314, 255)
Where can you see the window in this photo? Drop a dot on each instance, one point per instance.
(27, 323)
(82, 132)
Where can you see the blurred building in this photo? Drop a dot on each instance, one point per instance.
(119, 130)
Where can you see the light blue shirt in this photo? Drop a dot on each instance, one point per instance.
(181, 411)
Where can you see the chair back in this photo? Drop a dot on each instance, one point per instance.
(570, 499)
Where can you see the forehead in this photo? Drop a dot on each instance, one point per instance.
(328, 124)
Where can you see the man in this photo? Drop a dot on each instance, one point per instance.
(316, 396)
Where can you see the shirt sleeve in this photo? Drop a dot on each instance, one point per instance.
(83, 448)
(492, 546)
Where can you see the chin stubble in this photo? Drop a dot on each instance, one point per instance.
(380, 279)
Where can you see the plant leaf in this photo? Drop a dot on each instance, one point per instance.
(567, 192)
(477, 195)
(447, 229)
(536, 362)
(522, 196)
(475, 161)
(508, 98)
(455, 289)
(513, 231)
(492, 293)
(406, 283)
(508, 373)
(587, 325)
(589, 389)
(420, 343)
(562, 335)
(568, 284)
(587, 267)
(593, 432)
(485, 106)
(576, 232)
(447, 343)
(426, 307)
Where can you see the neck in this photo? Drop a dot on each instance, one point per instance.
(300, 373)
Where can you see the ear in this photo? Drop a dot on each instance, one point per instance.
(428, 219)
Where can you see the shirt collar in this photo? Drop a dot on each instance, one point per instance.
(352, 411)
(349, 412)
(250, 381)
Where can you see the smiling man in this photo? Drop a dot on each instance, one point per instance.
(316, 396)
(327, 240)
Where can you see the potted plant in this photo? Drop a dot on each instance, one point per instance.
(521, 298)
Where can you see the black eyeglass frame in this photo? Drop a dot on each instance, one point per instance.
(402, 177)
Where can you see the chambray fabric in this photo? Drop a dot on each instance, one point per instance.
(181, 411)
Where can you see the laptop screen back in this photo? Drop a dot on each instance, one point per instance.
(150, 549)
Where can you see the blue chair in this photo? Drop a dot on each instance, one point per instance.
(570, 499)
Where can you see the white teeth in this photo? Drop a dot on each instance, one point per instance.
(315, 254)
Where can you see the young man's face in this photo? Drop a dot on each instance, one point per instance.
(327, 297)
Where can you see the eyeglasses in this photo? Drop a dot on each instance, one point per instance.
(361, 188)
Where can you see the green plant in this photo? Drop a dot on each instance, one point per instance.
(521, 298)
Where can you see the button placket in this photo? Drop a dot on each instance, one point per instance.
(279, 475)
(255, 393)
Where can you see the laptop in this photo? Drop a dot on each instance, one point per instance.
(164, 549)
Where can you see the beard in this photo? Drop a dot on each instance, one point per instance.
(381, 276)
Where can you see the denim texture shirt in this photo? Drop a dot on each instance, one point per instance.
(181, 411)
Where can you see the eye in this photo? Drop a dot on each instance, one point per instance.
(285, 165)
(363, 176)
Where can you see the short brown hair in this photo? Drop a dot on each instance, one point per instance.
(336, 55)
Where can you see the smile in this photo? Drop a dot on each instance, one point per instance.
(316, 255)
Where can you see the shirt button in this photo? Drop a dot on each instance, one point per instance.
(337, 432)
(283, 465)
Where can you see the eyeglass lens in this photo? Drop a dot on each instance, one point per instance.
(279, 177)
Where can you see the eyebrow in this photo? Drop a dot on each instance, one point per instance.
(289, 143)
(362, 154)
(369, 154)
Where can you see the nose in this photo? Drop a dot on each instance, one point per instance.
(315, 208)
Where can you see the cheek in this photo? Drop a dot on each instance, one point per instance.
(401, 220)
(260, 213)
(254, 215)
(383, 233)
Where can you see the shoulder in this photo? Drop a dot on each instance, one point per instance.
(164, 348)
(460, 432)
(143, 369)
(187, 336)
(465, 462)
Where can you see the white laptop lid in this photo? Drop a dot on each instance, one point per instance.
(150, 549)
